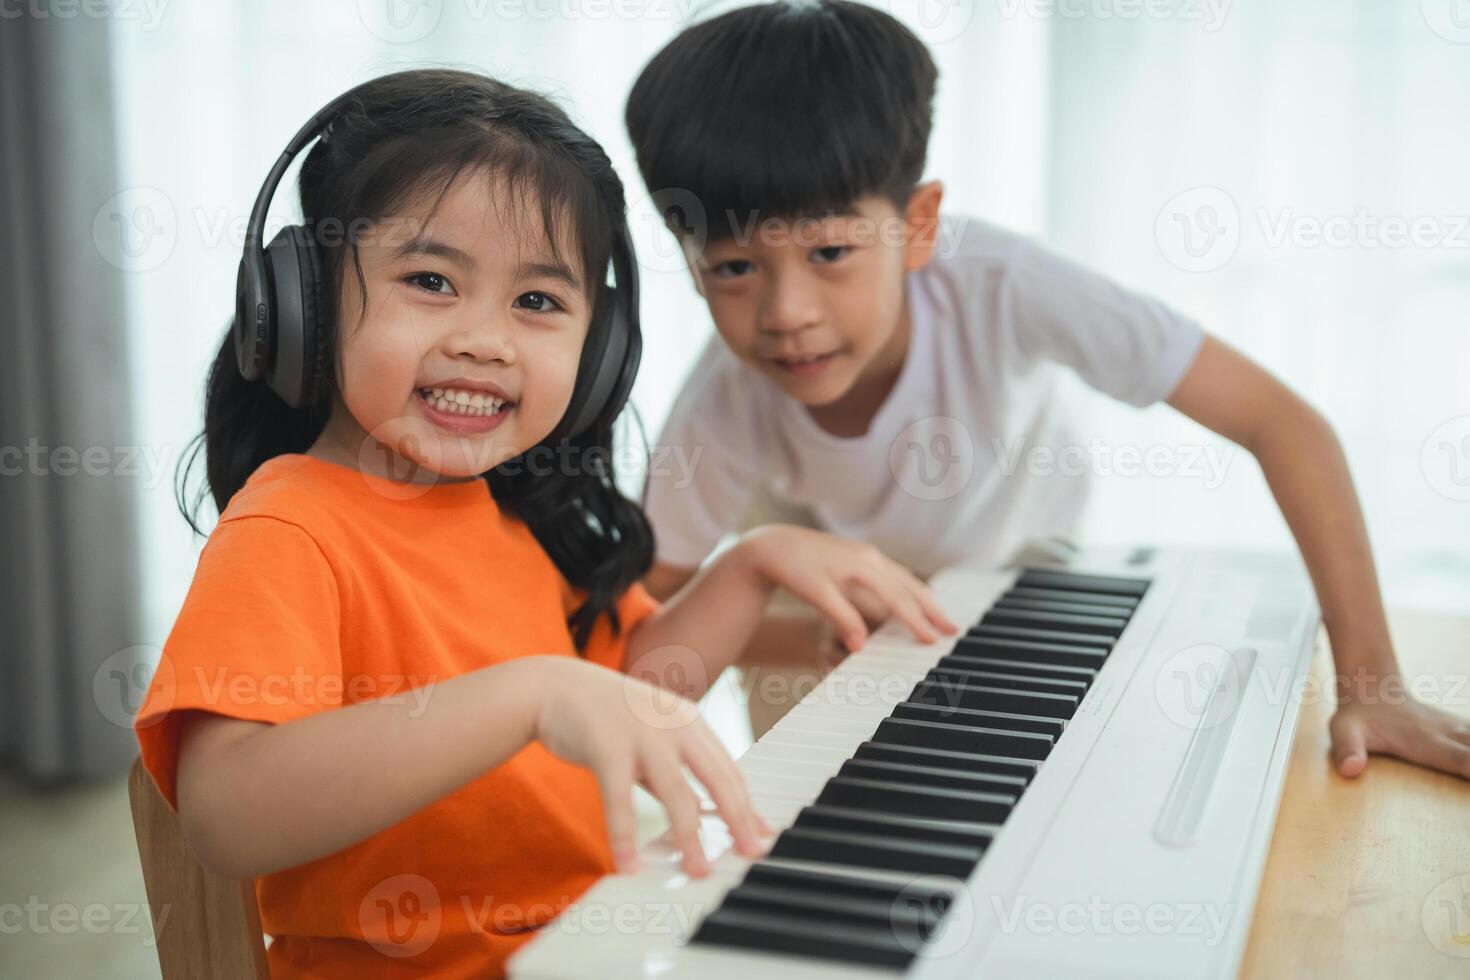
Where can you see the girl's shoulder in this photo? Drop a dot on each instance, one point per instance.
(294, 489)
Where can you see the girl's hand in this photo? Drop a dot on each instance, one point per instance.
(1409, 729)
(627, 731)
(848, 581)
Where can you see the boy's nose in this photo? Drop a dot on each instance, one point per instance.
(787, 309)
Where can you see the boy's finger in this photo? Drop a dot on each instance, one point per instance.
(934, 610)
(615, 782)
(1450, 756)
(894, 592)
(1349, 747)
(844, 615)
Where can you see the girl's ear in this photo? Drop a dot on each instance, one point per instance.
(922, 216)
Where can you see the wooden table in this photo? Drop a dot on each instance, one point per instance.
(1371, 877)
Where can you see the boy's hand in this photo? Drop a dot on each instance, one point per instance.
(627, 731)
(845, 580)
(1409, 729)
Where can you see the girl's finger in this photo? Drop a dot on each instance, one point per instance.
(663, 774)
(615, 781)
(726, 784)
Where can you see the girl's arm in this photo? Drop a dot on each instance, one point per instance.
(255, 798)
(705, 626)
(1308, 474)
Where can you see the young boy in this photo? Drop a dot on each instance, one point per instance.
(870, 354)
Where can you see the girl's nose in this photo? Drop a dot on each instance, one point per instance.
(484, 341)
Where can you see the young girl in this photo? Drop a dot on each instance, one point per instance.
(397, 692)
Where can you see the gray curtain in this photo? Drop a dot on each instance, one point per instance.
(69, 593)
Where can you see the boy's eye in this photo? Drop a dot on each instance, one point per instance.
(537, 302)
(734, 268)
(828, 254)
(430, 282)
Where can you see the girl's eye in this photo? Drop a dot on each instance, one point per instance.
(537, 302)
(828, 254)
(430, 282)
(733, 269)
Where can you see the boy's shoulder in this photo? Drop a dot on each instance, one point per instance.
(965, 244)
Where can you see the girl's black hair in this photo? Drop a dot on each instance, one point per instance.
(413, 133)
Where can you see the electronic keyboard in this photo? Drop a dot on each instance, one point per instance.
(1083, 784)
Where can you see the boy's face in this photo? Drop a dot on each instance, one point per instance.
(817, 304)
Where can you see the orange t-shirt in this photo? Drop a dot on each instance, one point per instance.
(321, 587)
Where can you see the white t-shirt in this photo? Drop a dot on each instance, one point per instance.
(954, 466)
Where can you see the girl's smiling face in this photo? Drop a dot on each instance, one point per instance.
(464, 352)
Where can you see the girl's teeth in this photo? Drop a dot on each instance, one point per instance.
(456, 402)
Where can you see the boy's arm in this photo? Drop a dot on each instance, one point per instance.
(708, 623)
(785, 638)
(1305, 468)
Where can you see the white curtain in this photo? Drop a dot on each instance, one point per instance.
(1075, 121)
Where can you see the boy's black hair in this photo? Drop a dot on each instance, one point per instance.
(784, 109)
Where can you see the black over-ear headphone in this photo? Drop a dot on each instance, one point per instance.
(280, 305)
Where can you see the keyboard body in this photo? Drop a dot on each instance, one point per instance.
(1008, 805)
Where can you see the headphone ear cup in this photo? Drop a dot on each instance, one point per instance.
(293, 268)
(313, 323)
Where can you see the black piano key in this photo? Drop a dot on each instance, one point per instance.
(1121, 602)
(874, 851)
(1038, 651)
(980, 719)
(962, 738)
(995, 631)
(779, 933)
(1075, 582)
(932, 894)
(1009, 602)
(908, 919)
(1064, 687)
(922, 775)
(971, 833)
(956, 662)
(891, 796)
(1109, 626)
(963, 761)
(974, 694)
